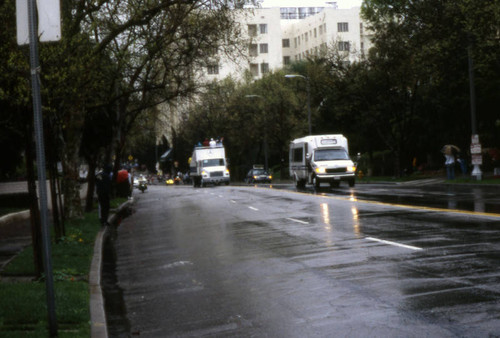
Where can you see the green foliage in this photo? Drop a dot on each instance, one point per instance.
(71, 256)
(245, 115)
(23, 312)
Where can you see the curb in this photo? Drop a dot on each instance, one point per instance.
(14, 217)
(98, 327)
(98, 323)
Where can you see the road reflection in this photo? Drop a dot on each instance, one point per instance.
(481, 199)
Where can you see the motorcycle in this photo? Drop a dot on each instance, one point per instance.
(142, 186)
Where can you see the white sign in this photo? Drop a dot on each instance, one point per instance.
(475, 148)
(23, 32)
(475, 138)
(477, 159)
(49, 21)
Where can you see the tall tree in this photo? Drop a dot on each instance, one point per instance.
(127, 57)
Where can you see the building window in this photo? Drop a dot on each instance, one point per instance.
(307, 37)
(361, 28)
(213, 69)
(343, 26)
(285, 43)
(263, 28)
(264, 68)
(252, 30)
(315, 32)
(343, 46)
(324, 28)
(254, 69)
(286, 60)
(213, 51)
(263, 48)
(252, 50)
(295, 42)
(288, 13)
(321, 30)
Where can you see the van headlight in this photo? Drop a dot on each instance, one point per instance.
(226, 173)
(351, 169)
(320, 170)
(204, 173)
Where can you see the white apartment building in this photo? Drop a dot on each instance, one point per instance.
(281, 35)
(277, 37)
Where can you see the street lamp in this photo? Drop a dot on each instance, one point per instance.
(266, 167)
(289, 76)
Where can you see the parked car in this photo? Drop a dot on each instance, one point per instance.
(258, 175)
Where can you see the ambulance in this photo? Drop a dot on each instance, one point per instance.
(321, 159)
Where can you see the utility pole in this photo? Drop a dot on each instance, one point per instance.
(475, 147)
(27, 32)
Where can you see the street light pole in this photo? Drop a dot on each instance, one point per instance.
(308, 88)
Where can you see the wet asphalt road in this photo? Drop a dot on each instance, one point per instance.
(247, 261)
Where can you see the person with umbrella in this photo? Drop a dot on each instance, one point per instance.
(449, 151)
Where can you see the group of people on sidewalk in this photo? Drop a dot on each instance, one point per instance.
(103, 189)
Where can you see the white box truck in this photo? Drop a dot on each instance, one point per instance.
(208, 165)
(321, 158)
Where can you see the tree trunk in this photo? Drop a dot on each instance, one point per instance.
(89, 201)
(70, 162)
(55, 206)
(36, 228)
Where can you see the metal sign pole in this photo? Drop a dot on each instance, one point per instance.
(40, 159)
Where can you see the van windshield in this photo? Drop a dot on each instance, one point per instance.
(215, 162)
(330, 155)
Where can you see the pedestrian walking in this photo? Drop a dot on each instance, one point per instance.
(449, 151)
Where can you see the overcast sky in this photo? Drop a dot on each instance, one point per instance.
(310, 3)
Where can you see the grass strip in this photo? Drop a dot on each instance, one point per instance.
(23, 303)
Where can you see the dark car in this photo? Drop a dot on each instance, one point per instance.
(258, 176)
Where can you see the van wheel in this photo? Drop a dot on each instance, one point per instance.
(297, 182)
(301, 184)
(316, 182)
(351, 183)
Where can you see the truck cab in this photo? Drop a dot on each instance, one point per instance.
(208, 165)
(321, 159)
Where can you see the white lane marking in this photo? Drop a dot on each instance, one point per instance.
(394, 243)
(220, 196)
(233, 201)
(297, 220)
(253, 208)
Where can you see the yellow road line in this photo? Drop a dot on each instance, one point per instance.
(415, 207)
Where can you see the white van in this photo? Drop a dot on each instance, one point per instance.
(321, 158)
